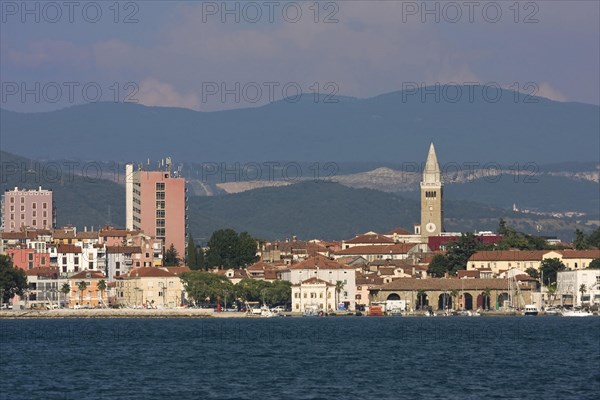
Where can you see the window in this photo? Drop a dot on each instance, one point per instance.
(304, 295)
(22, 208)
(64, 260)
(34, 205)
(160, 186)
(76, 260)
(160, 195)
(160, 223)
(160, 205)
(117, 265)
(12, 199)
(44, 214)
(35, 222)
(90, 265)
(160, 213)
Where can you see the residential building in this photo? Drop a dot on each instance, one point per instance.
(327, 270)
(149, 287)
(22, 208)
(504, 260)
(398, 251)
(28, 259)
(367, 239)
(313, 294)
(91, 296)
(580, 288)
(156, 204)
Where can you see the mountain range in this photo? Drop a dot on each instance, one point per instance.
(394, 127)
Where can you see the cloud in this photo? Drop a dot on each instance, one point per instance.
(547, 91)
(156, 93)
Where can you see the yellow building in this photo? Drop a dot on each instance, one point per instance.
(503, 260)
(149, 287)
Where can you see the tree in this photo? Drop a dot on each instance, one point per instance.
(582, 290)
(511, 239)
(200, 259)
(81, 286)
(438, 266)
(339, 286)
(549, 269)
(454, 294)
(65, 289)
(532, 272)
(595, 264)
(13, 281)
(201, 285)
(551, 292)
(580, 242)
(502, 228)
(192, 254)
(594, 238)
(101, 289)
(172, 257)
(228, 250)
(460, 250)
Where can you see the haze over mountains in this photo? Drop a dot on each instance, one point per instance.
(394, 127)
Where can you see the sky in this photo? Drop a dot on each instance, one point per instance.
(215, 55)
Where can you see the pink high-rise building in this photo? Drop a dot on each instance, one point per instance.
(22, 208)
(156, 204)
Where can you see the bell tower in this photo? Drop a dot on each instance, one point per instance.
(431, 197)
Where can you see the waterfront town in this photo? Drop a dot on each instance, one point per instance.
(151, 263)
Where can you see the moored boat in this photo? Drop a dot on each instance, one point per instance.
(576, 313)
(530, 310)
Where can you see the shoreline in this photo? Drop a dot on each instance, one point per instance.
(169, 313)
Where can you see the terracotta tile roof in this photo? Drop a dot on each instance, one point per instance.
(399, 248)
(350, 259)
(391, 263)
(270, 274)
(446, 284)
(509, 255)
(88, 275)
(399, 231)
(260, 266)
(64, 233)
(43, 272)
(315, 281)
(13, 235)
(123, 249)
(116, 232)
(87, 235)
(580, 253)
(386, 271)
(468, 274)
(320, 262)
(68, 248)
(369, 279)
(147, 272)
(178, 270)
(370, 238)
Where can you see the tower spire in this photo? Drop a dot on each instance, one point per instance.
(431, 172)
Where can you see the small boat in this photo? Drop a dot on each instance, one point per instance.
(265, 312)
(552, 311)
(531, 309)
(576, 313)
